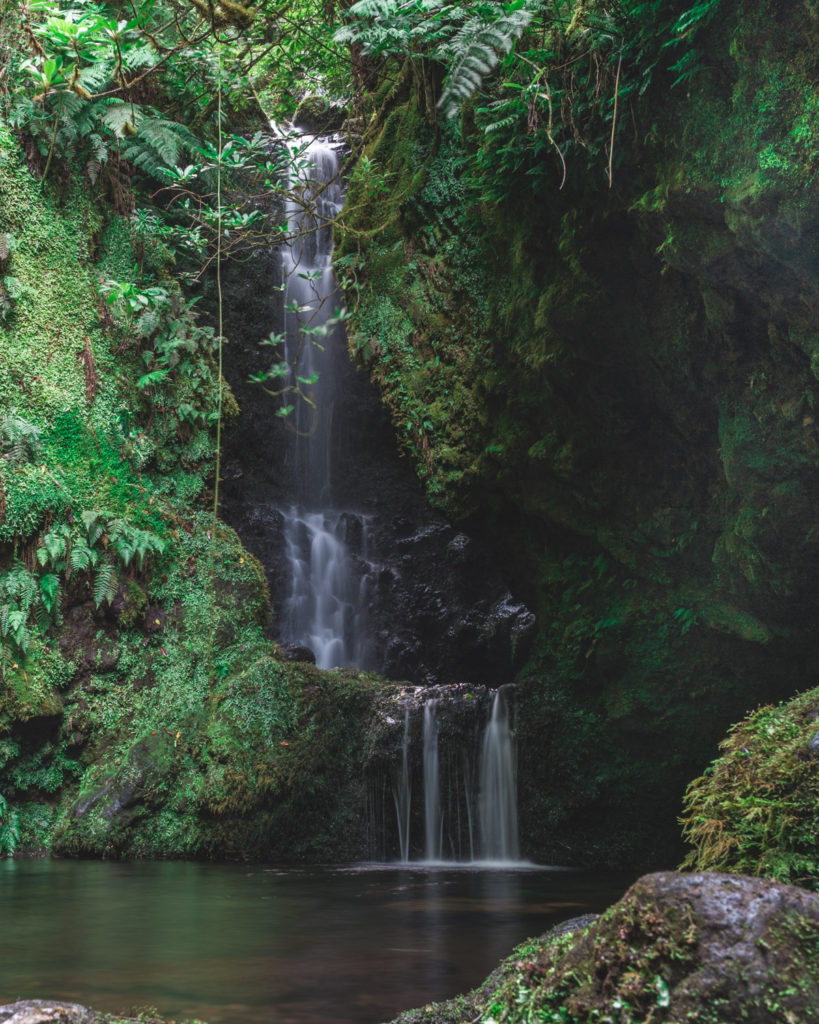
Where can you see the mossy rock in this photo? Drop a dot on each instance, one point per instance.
(319, 115)
(756, 809)
(704, 948)
(26, 694)
(49, 1011)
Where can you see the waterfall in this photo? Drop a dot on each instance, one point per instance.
(329, 583)
(433, 824)
(403, 794)
(466, 763)
(498, 809)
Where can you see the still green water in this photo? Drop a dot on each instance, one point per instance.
(234, 944)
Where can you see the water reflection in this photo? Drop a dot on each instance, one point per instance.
(244, 945)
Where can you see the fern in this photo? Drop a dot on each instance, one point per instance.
(94, 526)
(20, 437)
(466, 37)
(474, 52)
(395, 26)
(105, 584)
(97, 76)
(122, 118)
(82, 557)
(157, 145)
(19, 596)
(140, 57)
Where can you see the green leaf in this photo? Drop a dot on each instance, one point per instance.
(153, 378)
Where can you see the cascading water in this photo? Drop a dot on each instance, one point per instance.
(402, 795)
(498, 787)
(468, 788)
(325, 610)
(433, 824)
(469, 780)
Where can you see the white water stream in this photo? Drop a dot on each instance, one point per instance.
(331, 576)
(326, 608)
(446, 815)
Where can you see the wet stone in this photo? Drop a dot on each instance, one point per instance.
(44, 1011)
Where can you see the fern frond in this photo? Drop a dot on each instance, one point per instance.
(140, 57)
(473, 53)
(123, 118)
(105, 584)
(20, 436)
(157, 145)
(96, 77)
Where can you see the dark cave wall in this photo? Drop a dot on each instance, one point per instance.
(615, 388)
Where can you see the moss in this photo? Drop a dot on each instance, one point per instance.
(620, 377)
(318, 114)
(754, 810)
(674, 949)
(161, 722)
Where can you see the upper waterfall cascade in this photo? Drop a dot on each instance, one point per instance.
(361, 569)
(326, 607)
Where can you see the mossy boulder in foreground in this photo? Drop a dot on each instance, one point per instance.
(705, 948)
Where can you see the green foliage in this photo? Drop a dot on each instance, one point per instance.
(9, 829)
(19, 438)
(473, 52)
(72, 549)
(754, 811)
(466, 38)
(22, 597)
(85, 60)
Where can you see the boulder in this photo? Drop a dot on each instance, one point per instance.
(45, 1011)
(710, 948)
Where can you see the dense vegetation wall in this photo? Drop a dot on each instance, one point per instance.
(615, 381)
(143, 710)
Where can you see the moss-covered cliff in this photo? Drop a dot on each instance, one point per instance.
(616, 385)
(143, 711)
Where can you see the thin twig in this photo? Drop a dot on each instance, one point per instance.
(614, 118)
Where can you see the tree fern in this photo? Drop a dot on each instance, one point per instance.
(474, 52)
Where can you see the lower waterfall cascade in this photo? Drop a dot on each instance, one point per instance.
(465, 763)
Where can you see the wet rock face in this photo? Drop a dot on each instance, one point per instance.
(441, 610)
(437, 609)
